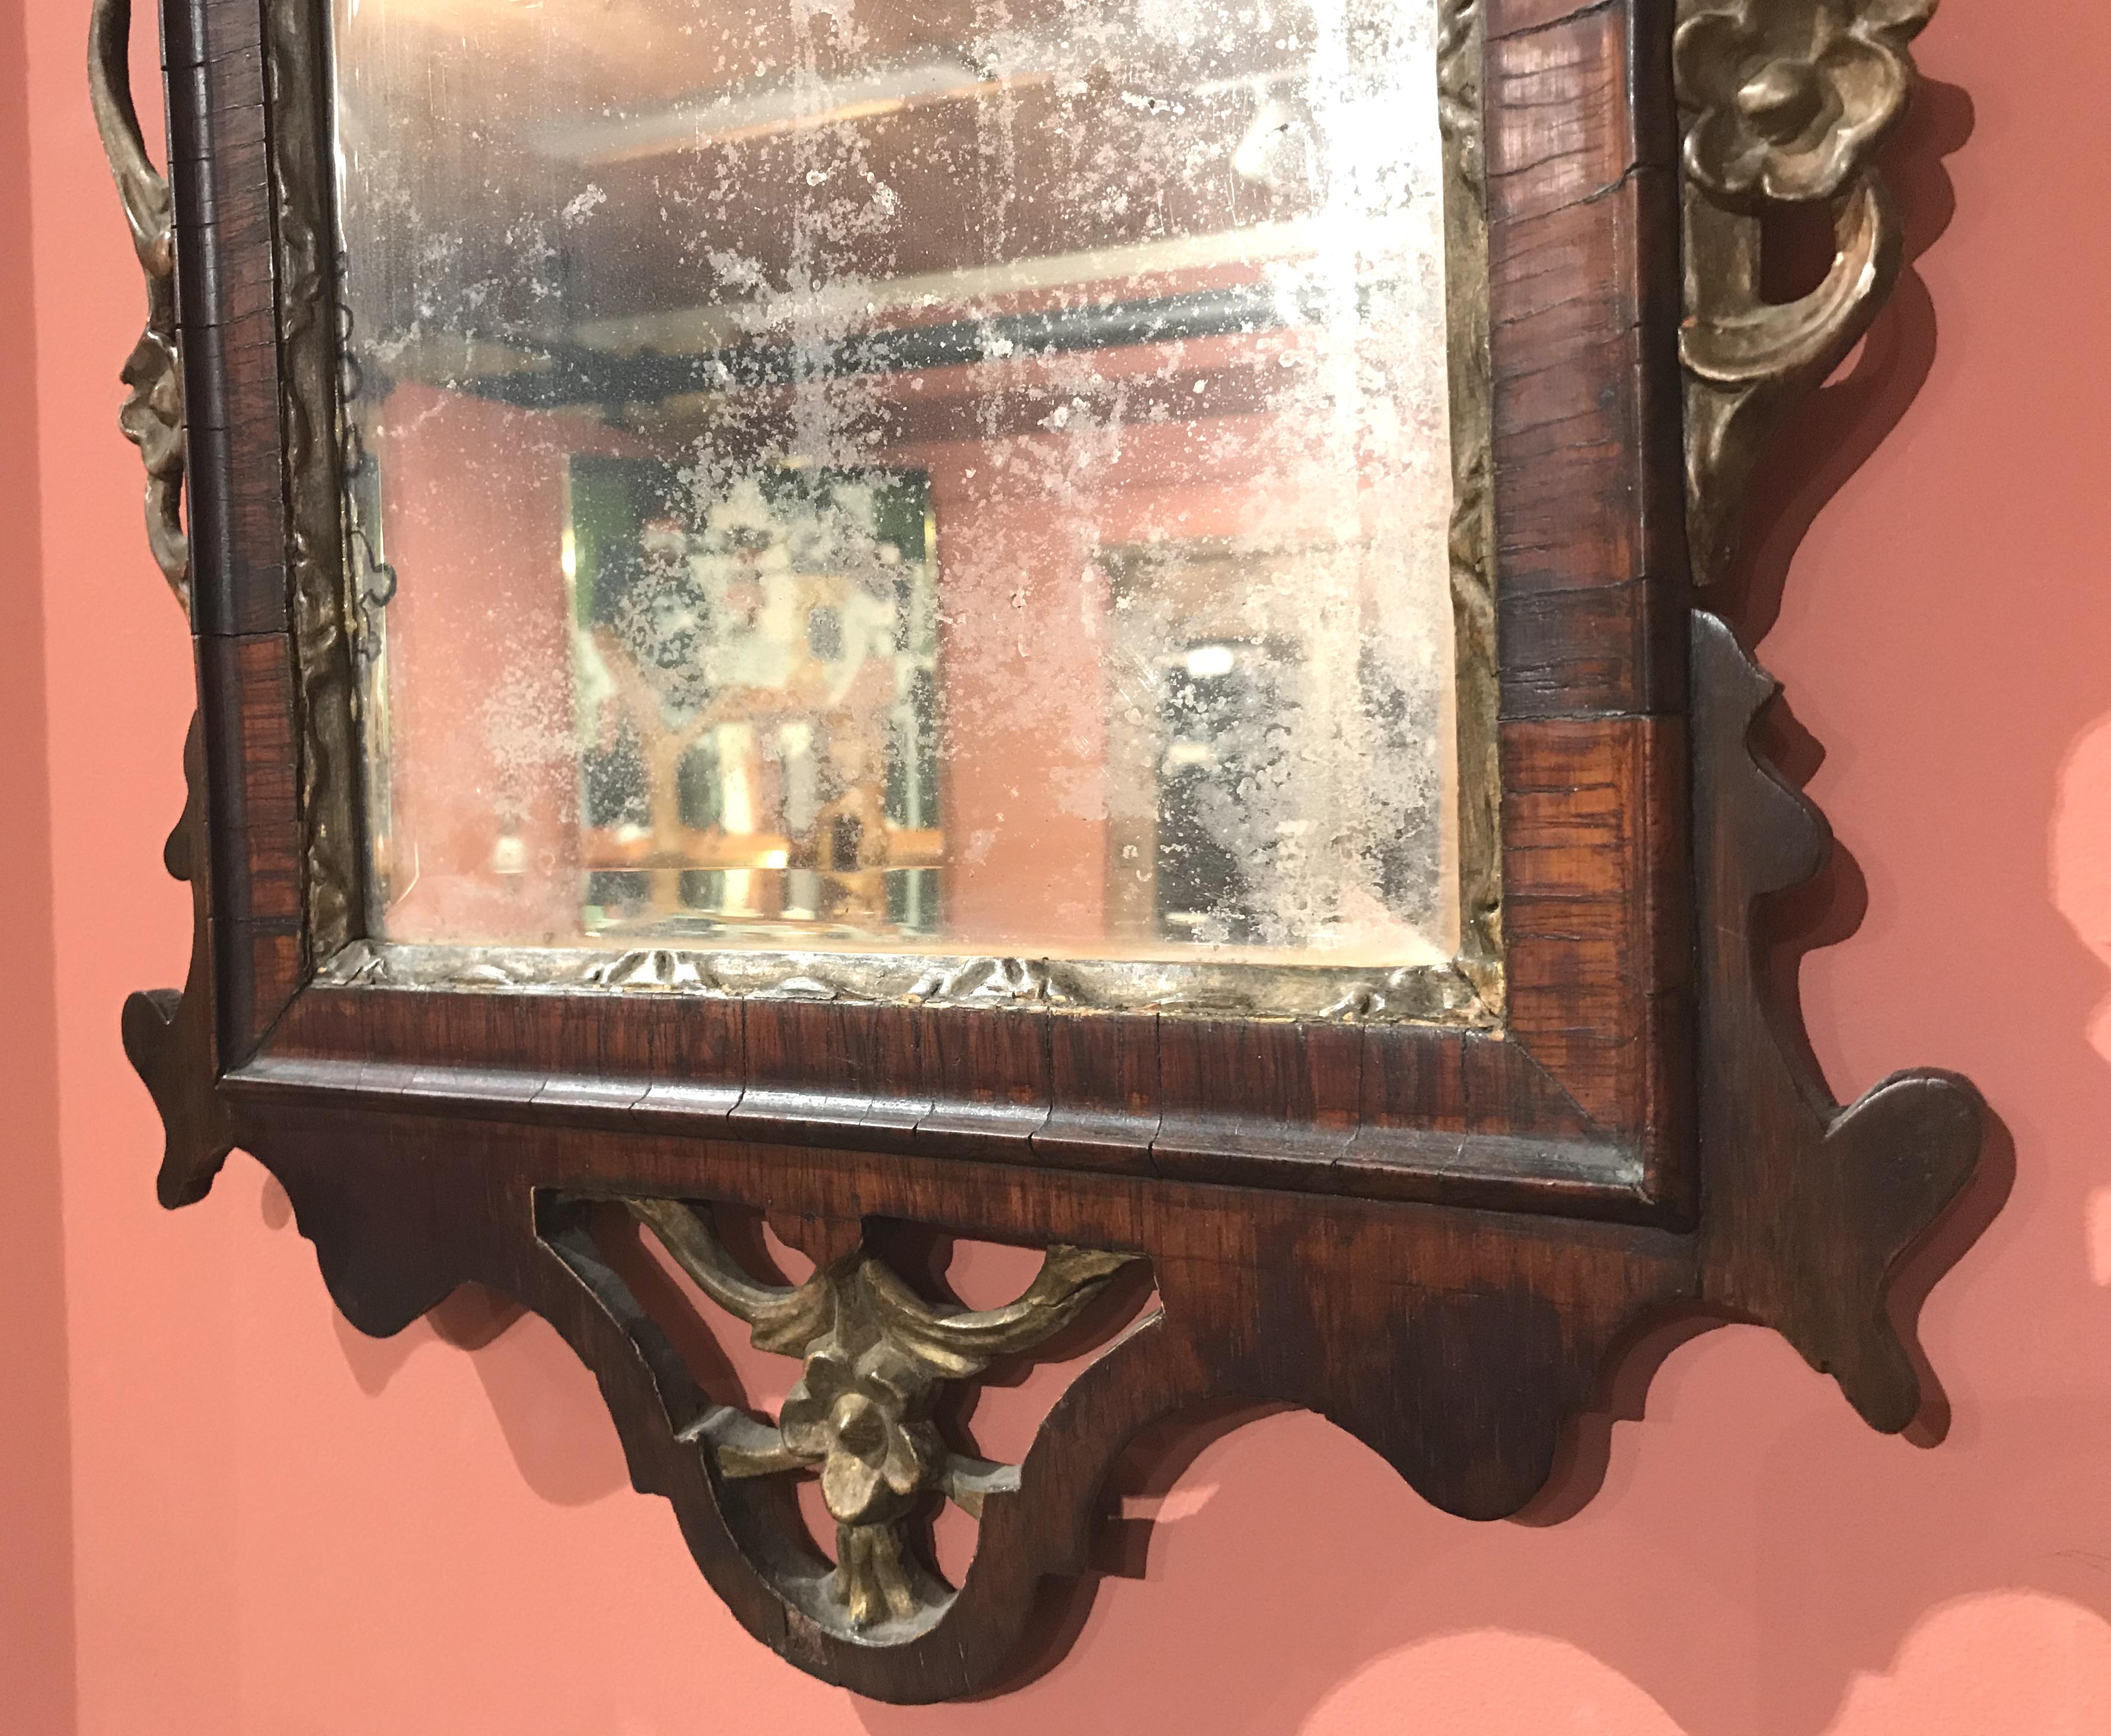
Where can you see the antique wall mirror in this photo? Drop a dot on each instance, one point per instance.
(822, 626)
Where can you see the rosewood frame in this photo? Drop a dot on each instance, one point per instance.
(1440, 1235)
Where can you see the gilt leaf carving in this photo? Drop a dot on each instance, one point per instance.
(1783, 102)
(875, 1355)
(152, 417)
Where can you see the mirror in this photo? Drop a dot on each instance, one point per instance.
(967, 479)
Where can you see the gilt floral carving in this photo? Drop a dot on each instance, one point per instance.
(1783, 102)
(876, 1356)
(1790, 94)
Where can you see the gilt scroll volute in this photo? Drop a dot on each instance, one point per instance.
(153, 417)
(1784, 103)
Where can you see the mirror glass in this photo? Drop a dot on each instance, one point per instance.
(972, 477)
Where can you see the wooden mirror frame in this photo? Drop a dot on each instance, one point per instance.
(1442, 1237)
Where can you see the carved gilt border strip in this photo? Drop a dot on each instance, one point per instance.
(296, 32)
(1441, 995)
(1461, 50)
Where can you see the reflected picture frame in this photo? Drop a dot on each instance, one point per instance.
(1440, 1208)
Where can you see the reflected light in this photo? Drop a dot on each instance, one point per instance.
(800, 106)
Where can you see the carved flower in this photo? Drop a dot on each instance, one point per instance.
(1791, 94)
(853, 1419)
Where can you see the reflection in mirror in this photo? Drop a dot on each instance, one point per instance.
(965, 478)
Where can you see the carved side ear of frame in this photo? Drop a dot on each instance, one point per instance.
(169, 1037)
(1783, 103)
(152, 417)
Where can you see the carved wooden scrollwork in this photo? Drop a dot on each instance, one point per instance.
(1784, 102)
(152, 417)
(874, 1356)
(1887, 1165)
(168, 1037)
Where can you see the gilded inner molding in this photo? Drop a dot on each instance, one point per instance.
(1460, 48)
(1444, 996)
(296, 32)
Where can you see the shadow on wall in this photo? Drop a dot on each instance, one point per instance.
(1757, 1563)
(566, 1450)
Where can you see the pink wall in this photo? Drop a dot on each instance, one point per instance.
(275, 1528)
(36, 1560)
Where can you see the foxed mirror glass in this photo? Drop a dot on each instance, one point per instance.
(967, 479)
